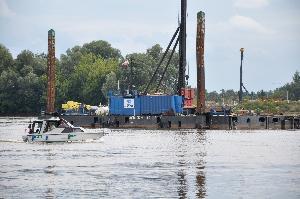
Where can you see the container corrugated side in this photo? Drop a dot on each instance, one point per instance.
(178, 103)
(117, 106)
(156, 105)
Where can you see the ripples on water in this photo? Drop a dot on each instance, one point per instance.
(152, 164)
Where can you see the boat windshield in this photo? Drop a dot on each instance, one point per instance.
(52, 124)
(35, 127)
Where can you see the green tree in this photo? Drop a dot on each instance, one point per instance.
(230, 96)
(69, 61)
(8, 91)
(111, 83)
(261, 94)
(292, 89)
(23, 84)
(88, 78)
(31, 89)
(102, 49)
(296, 78)
(24, 61)
(295, 87)
(213, 96)
(39, 65)
(142, 67)
(6, 59)
(155, 52)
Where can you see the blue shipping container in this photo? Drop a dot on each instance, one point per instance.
(145, 105)
(124, 106)
(178, 103)
(156, 105)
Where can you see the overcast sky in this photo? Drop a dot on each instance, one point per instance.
(269, 30)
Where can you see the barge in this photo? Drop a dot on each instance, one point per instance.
(206, 121)
(176, 111)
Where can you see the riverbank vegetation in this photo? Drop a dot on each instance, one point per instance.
(86, 73)
(269, 106)
(283, 100)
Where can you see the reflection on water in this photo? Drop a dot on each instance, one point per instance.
(50, 174)
(49, 194)
(200, 183)
(155, 164)
(183, 155)
(200, 175)
(182, 189)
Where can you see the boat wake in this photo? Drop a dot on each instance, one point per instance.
(100, 140)
(12, 141)
(93, 141)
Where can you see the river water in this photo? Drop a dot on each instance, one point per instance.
(151, 164)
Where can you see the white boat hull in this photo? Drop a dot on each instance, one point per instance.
(62, 137)
(56, 129)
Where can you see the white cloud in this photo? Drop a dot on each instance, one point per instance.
(127, 36)
(4, 10)
(112, 27)
(251, 3)
(249, 24)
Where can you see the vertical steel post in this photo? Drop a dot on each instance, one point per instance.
(51, 72)
(241, 76)
(200, 62)
(131, 77)
(182, 48)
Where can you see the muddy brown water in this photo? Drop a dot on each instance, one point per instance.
(151, 164)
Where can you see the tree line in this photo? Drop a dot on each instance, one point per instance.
(84, 73)
(290, 91)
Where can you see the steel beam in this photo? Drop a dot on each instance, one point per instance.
(241, 76)
(182, 48)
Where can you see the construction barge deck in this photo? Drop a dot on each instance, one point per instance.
(213, 122)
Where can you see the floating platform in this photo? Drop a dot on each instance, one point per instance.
(207, 121)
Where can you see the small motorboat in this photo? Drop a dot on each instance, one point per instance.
(57, 129)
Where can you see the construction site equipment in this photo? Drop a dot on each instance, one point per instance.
(189, 95)
(200, 62)
(51, 72)
(182, 48)
(145, 105)
(241, 77)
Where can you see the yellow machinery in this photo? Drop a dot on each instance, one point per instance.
(71, 105)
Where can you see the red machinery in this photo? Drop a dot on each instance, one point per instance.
(189, 95)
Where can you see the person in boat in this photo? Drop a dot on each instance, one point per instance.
(49, 127)
(62, 124)
(30, 129)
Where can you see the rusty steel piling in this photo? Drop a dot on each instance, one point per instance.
(200, 62)
(51, 72)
